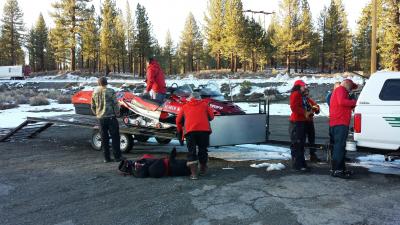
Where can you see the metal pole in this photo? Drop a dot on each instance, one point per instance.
(373, 38)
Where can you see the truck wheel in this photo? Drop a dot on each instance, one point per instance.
(163, 141)
(142, 138)
(126, 142)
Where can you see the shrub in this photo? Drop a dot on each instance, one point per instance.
(39, 100)
(245, 87)
(53, 94)
(64, 99)
(21, 99)
(4, 106)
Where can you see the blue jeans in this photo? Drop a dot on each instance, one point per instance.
(158, 97)
(339, 137)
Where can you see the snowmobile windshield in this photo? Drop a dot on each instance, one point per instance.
(211, 90)
(183, 91)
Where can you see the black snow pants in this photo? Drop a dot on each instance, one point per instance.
(310, 135)
(297, 137)
(200, 139)
(109, 126)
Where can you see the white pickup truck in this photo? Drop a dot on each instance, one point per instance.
(377, 114)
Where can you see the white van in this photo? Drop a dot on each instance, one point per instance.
(377, 114)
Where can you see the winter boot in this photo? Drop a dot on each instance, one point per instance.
(193, 170)
(314, 158)
(203, 169)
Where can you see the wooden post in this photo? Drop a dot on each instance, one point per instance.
(373, 38)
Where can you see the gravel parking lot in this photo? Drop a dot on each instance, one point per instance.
(57, 178)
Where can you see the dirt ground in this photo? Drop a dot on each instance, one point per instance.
(57, 179)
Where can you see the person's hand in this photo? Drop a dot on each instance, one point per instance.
(308, 114)
(180, 138)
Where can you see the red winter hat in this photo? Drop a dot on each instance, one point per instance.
(354, 85)
(299, 83)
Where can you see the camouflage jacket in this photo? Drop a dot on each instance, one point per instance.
(104, 103)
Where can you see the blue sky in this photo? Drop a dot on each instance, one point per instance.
(171, 14)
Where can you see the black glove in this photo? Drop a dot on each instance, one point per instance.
(180, 138)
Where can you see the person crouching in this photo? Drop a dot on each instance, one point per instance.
(196, 116)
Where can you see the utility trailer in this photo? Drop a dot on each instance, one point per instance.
(228, 130)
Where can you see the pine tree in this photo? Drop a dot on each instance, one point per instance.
(59, 46)
(37, 43)
(143, 39)
(273, 41)
(254, 44)
(90, 41)
(288, 34)
(336, 37)
(12, 30)
(390, 45)
(41, 42)
(71, 14)
(107, 34)
(168, 52)
(30, 46)
(120, 44)
(233, 30)
(214, 22)
(130, 35)
(191, 43)
(306, 35)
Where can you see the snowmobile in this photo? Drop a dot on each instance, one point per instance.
(140, 110)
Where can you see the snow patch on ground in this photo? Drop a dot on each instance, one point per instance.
(269, 166)
(279, 109)
(377, 164)
(13, 117)
(250, 152)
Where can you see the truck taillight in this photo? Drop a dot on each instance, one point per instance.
(357, 123)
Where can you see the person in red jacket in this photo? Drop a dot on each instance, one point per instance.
(155, 81)
(297, 126)
(196, 116)
(339, 120)
(313, 107)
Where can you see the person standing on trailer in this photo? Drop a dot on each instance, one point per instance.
(313, 107)
(105, 107)
(195, 116)
(297, 126)
(155, 80)
(339, 121)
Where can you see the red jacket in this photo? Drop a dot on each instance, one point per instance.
(155, 78)
(341, 107)
(296, 105)
(315, 108)
(196, 115)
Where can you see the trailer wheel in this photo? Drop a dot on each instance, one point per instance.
(95, 141)
(163, 141)
(126, 142)
(142, 138)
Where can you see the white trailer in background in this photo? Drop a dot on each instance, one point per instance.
(11, 72)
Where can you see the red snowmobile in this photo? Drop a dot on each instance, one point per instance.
(143, 111)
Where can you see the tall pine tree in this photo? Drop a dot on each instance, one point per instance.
(143, 39)
(12, 31)
(71, 14)
(233, 30)
(191, 43)
(214, 22)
